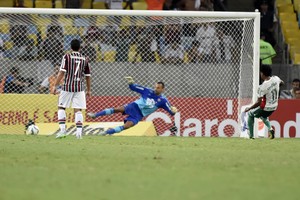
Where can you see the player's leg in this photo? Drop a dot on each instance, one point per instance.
(255, 113)
(63, 102)
(265, 119)
(79, 103)
(107, 111)
(251, 124)
(61, 116)
(118, 129)
(134, 116)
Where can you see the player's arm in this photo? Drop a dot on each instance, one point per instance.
(257, 103)
(60, 76)
(87, 73)
(88, 86)
(135, 87)
(172, 110)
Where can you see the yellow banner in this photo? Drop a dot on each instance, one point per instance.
(92, 128)
(17, 109)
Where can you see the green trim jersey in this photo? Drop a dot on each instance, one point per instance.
(269, 91)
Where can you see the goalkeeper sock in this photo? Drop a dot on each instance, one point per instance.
(115, 130)
(78, 121)
(251, 124)
(267, 123)
(107, 111)
(61, 115)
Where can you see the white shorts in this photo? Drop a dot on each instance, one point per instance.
(76, 98)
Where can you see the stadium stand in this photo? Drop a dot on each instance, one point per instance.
(44, 4)
(58, 4)
(7, 3)
(87, 4)
(28, 3)
(287, 12)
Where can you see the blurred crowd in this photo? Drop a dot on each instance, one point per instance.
(151, 41)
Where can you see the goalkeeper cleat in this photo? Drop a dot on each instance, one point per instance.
(92, 115)
(61, 135)
(271, 134)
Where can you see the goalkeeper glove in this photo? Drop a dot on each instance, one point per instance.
(173, 109)
(129, 79)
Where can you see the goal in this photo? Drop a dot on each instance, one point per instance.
(207, 60)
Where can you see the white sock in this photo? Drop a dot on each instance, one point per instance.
(61, 115)
(79, 123)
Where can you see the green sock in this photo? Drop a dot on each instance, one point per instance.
(250, 125)
(266, 122)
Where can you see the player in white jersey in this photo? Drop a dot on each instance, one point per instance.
(267, 102)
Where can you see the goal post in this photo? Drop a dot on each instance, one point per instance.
(209, 62)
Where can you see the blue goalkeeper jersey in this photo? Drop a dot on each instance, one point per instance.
(149, 101)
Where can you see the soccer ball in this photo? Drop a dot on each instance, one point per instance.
(32, 130)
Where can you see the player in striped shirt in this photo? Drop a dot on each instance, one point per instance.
(74, 68)
(267, 102)
(149, 102)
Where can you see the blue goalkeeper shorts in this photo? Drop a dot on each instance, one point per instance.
(134, 113)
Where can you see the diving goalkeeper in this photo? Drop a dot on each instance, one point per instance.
(148, 103)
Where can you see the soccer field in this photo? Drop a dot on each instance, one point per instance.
(41, 167)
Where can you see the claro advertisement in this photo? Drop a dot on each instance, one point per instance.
(199, 117)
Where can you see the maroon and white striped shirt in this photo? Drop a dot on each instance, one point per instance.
(76, 67)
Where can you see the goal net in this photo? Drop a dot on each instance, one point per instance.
(207, 60)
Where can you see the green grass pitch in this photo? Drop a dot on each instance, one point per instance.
(166, 168)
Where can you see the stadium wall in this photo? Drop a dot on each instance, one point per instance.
(14, 114)
(39, 70)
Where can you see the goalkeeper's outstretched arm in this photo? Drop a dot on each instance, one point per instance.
(172, 110)
(135, 87)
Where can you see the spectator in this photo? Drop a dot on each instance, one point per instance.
(219, 5)
(73, 3)
(19, 3)
(155, 5)
(56, 28)
(195, 54)
(257, 4)
(52, 47)
(15, 83)
(193, 5)
(114, 4)
(88, 50)
(123, 42)
(128, 3)
(297, 93)
(206, 34)
(291, 94)
(49, 82)
(172, 33)
(92, 32)
(146, 45)
(267, 22)
(266, 51)
(28, 52)
(174, 54)
(1, 48)
(225, 46)
(18, 35)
